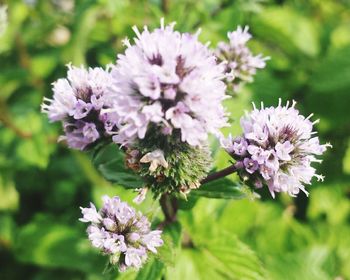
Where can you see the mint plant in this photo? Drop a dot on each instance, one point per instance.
(146, 121)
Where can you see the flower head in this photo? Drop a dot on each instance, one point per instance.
(169, 80)
(77, 102)
(121, 232)
(240, 63)
(277, 148)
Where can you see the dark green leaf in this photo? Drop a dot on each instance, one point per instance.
(188, 203)
(330, 86)
(221, 188)
(48, 243)
(109, 160)
(333, 74)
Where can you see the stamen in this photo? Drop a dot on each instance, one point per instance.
(136, 30)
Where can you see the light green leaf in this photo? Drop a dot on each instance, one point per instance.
(233, 258)
(217, 253)
(222, 257)
(172, 235)
(9, 197)
(153, 269)
(7, 231)
(289, 30)
(35, 151)
(328, 202)
(302, 265)
(42, 65)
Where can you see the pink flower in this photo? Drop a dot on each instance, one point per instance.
(170, 80)
(280, 149)
(77, 102)
(121, 232)
(240, 64)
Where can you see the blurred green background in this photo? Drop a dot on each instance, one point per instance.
(42, 183)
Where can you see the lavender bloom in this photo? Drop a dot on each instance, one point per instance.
(250, 165)
(281, 147)
(77, 102)
(240, 63)
(169, 80)
(121, 232)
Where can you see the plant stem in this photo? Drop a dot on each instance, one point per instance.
(219, 174)
(168, 203)
(165, 6)
(169, 207)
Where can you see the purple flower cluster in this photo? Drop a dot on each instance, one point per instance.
(169, 80)
(77, 102)
(121, 232)
(240, 63)
(277, 148)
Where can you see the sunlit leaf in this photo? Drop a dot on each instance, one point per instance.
(7, 231)
(223, 257)
(152, 270)
(289, 30)
(169, 252)
(9, 197)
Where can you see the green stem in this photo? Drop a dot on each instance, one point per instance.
(169, 207)
(219, 174)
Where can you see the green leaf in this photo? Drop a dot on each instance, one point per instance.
(9, 197)
(214, 251)
(233, 258)
(330, 85)
(222, 257)
(36, 149)
(188, 203)
(333, 74)
(346, 160)
(305, 264)
(85, 21)
(171, 235)
(7, 231)
(221, 188)
(328, 202)
(109, 160)
(152, 270)
(42, 65)
(289, 30)
(46, 242)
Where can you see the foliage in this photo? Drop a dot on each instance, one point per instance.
(42, 183)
